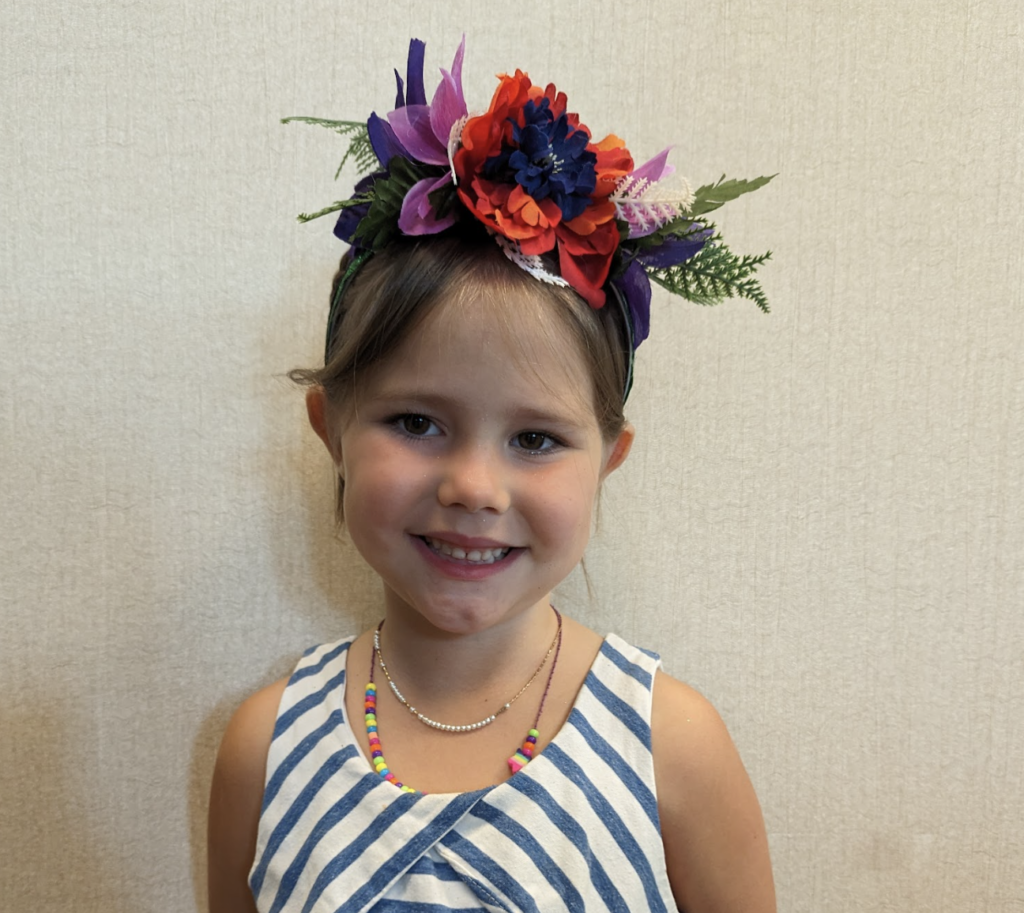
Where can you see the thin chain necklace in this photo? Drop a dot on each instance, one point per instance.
(519, 759)
(464, 727)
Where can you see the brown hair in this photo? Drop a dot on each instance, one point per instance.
(397, 288)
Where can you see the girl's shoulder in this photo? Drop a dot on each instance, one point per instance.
(240, 769)
(243, 750)
(250, 730)
(714, 835)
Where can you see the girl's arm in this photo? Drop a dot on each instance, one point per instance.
(715, 842)
(235, 799)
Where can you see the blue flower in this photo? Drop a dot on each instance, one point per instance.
(549, 159)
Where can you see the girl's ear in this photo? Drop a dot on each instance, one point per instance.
(316, 409)
(619, 451)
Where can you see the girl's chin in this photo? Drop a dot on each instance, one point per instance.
(446, 615)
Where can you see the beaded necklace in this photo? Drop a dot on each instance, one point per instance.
(464, 727)
(519, 759)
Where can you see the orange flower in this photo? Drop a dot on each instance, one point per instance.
(528, 170)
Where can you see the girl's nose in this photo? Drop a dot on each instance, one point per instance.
(472, 478)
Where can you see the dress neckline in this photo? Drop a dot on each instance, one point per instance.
(351, 738)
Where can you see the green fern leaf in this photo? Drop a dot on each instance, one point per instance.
(359, 149)
(335, 207)
(715, 274)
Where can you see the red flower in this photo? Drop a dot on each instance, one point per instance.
(490, 190)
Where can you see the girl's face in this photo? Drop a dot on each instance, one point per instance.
(471, 460)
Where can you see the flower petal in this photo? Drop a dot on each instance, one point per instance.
(383, 140)
(415, 94)
(447, 106)
(636, 289)
(613, 163)
(418, 217)
(584, 262)
(350, 217)
(457, 63)
(673, 251)
(596, 215)
(411, 125)
(449, 103)
(400, 92)
(655, 169)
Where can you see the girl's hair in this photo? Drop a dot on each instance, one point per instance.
(398, 287)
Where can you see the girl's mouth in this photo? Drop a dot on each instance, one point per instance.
(469, 555)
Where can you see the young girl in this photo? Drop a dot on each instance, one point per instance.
(477, 749)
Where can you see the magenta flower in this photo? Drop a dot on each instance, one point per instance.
(421, 131)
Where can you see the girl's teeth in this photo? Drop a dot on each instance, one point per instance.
(476, 555)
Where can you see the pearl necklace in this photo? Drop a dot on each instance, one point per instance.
(463, 727)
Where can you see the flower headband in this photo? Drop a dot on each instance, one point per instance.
(569, 211)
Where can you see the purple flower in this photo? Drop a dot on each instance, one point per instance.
(635, 285)
(422, 129)
(350, 217)
(636, 290)
(674, 250)
(420, 132)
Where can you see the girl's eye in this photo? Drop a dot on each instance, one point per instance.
(535, 441)
(416, 425)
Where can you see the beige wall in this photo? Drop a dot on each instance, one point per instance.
(821, 525)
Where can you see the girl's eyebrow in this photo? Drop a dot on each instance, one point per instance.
(401, 396)
(562, 413)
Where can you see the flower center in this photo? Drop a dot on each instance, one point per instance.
(548, 158)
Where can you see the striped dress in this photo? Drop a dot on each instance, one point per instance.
(576, 829)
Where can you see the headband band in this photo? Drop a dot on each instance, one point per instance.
(356, 260)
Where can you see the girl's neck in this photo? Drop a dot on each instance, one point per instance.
(430, 661)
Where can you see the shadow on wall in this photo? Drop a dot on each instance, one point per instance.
(299, 480)
(48, 846)
(200, 774)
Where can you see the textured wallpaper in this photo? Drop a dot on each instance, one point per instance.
(820, 526)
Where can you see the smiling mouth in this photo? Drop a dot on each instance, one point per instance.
(469, 555)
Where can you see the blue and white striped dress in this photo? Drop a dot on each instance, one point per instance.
(576, 829)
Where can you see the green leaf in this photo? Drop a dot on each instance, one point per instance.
(443, 199)
(380, 224)
(359, 149)
(715, 274)
(334, 207)
(711, 196)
